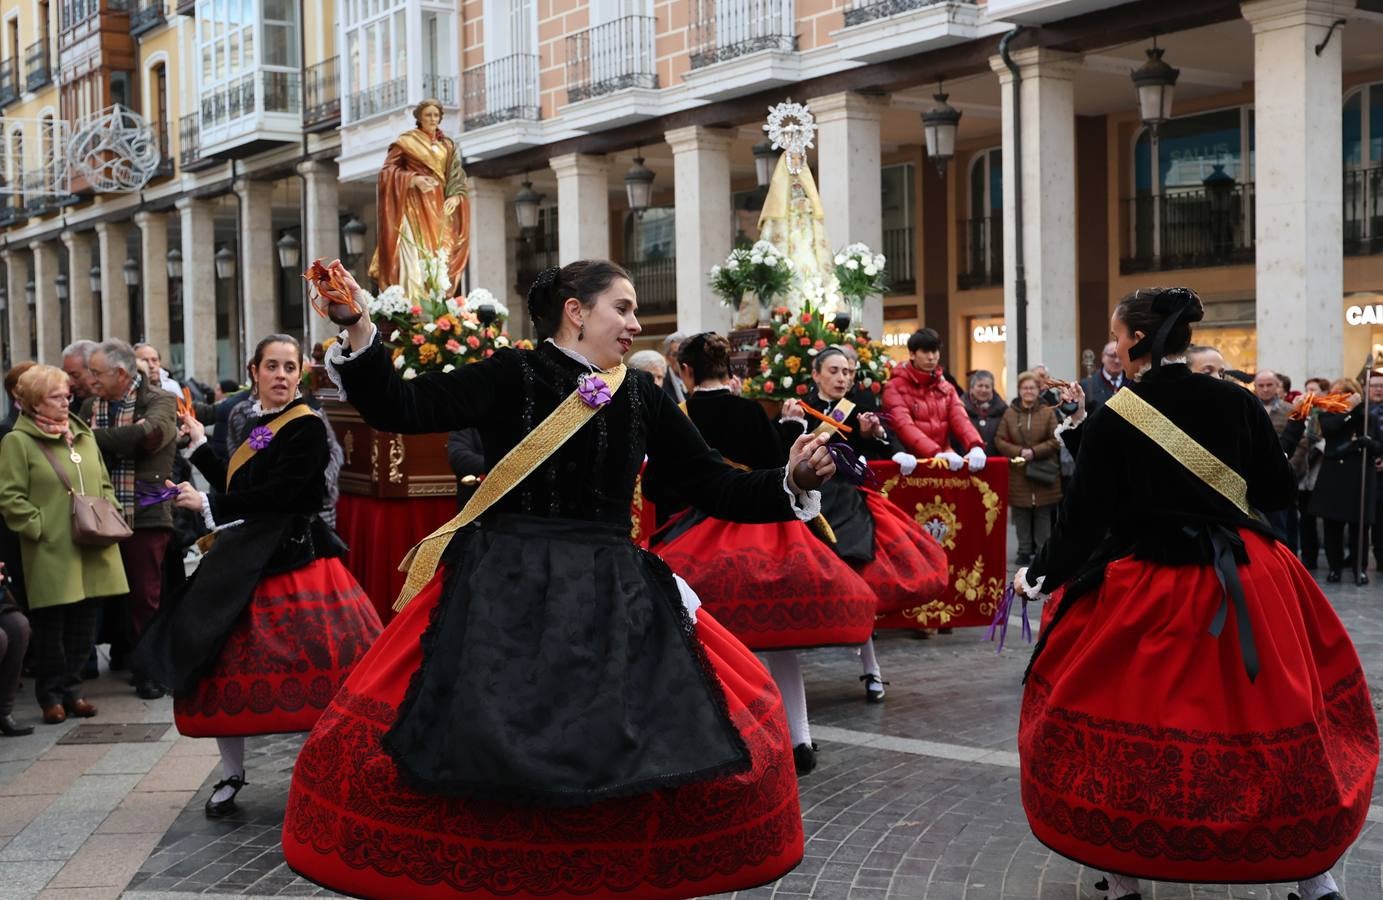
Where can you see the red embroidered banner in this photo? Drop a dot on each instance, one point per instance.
(967, 513)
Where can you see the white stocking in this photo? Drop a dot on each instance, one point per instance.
(232, 763)
(1121, 886)
(786, 670)
(868, 661)
(1315, 888)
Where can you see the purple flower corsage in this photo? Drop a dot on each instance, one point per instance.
(837, 415)
(260, 438)
(593, 391)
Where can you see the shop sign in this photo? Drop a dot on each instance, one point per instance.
(1364, 315)
(990, 334)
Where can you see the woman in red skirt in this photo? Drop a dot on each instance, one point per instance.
(271, 623)
(1194, 710)
(771, 584)
(901, 563)
(551, 715)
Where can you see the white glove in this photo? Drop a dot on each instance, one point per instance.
(1021, 586)
(906, 462)
(953, 460)
(976, 459)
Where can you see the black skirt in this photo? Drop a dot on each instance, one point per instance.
(560, 668)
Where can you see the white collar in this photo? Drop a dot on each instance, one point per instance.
(257, 410)
(1166, 361)
(574, 355)
(706, 388)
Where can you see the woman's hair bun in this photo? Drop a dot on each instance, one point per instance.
(542, 298)
(708, 354)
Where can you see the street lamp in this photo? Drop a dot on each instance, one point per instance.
(765, 158)
(288, 248)
(1156, 81)
(638, 184)
(131, 270)
(353, 233)
(94, 277)
(60, 284)
(174, 264)
(29, 292)
(526, 204)
(939, 125)
(225, 263)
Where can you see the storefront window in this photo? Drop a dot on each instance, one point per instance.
(1188, 150)
(988, 339)
(896, 334)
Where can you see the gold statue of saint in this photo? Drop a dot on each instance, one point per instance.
(424, 210)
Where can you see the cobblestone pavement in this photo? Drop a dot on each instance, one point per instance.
(914, 798)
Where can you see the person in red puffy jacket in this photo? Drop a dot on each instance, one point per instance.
(926, 412)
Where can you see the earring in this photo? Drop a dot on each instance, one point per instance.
(581, 332)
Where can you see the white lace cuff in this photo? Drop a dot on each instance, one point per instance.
(192, 448)
(1031, 591)
(1067, 424)
(806, 505)
(337, 354)
(797, 420)
(690, 601)
(206, 512)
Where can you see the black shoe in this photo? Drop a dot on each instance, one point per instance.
(221, 809)
(149, 690)
(1333, 895)
(803, 757)
(10, 728)
(1332, 577)
(1102, 884)
(1361, 577)
(872, 696)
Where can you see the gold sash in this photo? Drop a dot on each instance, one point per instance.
(529, 453)
(845, 407)
(1182, 447)
(244, 452)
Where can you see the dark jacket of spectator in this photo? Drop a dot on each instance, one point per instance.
(467, 457)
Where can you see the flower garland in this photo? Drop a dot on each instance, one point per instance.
(785, 366)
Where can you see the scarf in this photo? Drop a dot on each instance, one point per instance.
(115, 414)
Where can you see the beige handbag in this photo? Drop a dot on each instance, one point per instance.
(96, 522)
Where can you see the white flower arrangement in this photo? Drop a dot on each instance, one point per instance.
(480, 297)
(860, 272)
(391, 301)
(761, 268)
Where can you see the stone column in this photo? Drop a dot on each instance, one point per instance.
(153, 279)
(1299, 227)
(701, 188)
(1048, 173)
(583, 206)
(47, 309)
(322, 230)
(17, 271)
(849, 164)
(257, 268)
(198, 245)
(82, 310)
(489, 265)
(112, 238)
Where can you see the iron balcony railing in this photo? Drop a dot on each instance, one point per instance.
(981, 252)
(322, 95)
(861, 11)
(146, 15)
(165, 161)
(655, 281)
(190, 144)
(726, 29)
(37, 72)
(1363, 195)
(441, 88)
(9, 81)
(381, 98)
(40, 189)
(900, 251)
(281, 92)
(1182, 229)
(611, 57)
(501, 91)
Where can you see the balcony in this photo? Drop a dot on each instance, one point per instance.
(251, 114)
(1363, 194)
(322, 96)
(655, 281)
(380, 99)
(190, 157)
(876, 30)
(501, 91)
(165, 161)
(727, 29)
(37, 73)
(11, 215)
(441, 88)
(900, 250)
(9, 82)
(611, 57)
(146, 15)
(981, 252)
(40, 192)
(1183, 229)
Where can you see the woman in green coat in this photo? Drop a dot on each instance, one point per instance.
(62, 577)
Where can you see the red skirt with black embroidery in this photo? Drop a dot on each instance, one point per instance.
(773, 585)
(909, 566)
(294, 645)
(1147, 751)
(353, 825)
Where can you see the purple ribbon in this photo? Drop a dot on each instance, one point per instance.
(260, 438)
(837, 415)
(593, 391)
(850, 466)
(152, 495)
(1001, 614)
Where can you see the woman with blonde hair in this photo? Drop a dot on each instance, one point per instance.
(48, 456)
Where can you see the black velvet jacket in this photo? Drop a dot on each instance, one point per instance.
(591, 477)
(1129, 496)
(868, 447)
(737, 427)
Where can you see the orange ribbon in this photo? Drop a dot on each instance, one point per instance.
(825, 418)
(331, 288)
